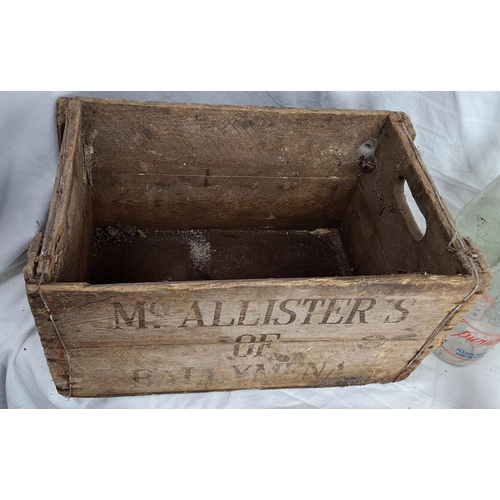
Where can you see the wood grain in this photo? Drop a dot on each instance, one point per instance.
(242, 178)
(68, 237)
(378, 216)
(180, 167)
(106, 371)
(372, 326)
(155, 201)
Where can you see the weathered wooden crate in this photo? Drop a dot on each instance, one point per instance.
(201, 248)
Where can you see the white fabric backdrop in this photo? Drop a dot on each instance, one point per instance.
(458, 134)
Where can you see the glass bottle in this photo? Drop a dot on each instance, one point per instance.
(479, 331)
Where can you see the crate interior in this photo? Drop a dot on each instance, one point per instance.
(181, 193)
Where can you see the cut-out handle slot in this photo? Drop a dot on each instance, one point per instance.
(408, 206)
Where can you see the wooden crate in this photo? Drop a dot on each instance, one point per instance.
(202, 248)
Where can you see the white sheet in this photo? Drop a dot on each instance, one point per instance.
(458, 134)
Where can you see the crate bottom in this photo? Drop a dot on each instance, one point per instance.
(125, 254)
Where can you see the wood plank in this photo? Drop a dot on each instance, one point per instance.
(227, 140)
(105, 372)
(314, 308)
(74, 261)
(190, 166)
(362, 243)
(66, 245)
(53, 346)
(206, 201)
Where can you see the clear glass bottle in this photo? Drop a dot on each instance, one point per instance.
(479, 331)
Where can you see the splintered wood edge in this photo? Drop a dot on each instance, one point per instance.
(29, 270)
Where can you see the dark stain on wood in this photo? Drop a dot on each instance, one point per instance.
(175, 255)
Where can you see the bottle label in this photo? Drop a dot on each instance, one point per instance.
(469, 355)
(469, 343)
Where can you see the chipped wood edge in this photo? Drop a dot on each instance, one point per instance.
(29, 270)
(404, 120)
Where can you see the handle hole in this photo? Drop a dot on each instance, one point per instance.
(412, 214)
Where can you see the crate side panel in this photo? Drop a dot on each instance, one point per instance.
(68, 236)
(218, 312)
(78, 232)
(202, 166)
(378, 211)
(234, 141)
(207, 201)
(366, 317)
